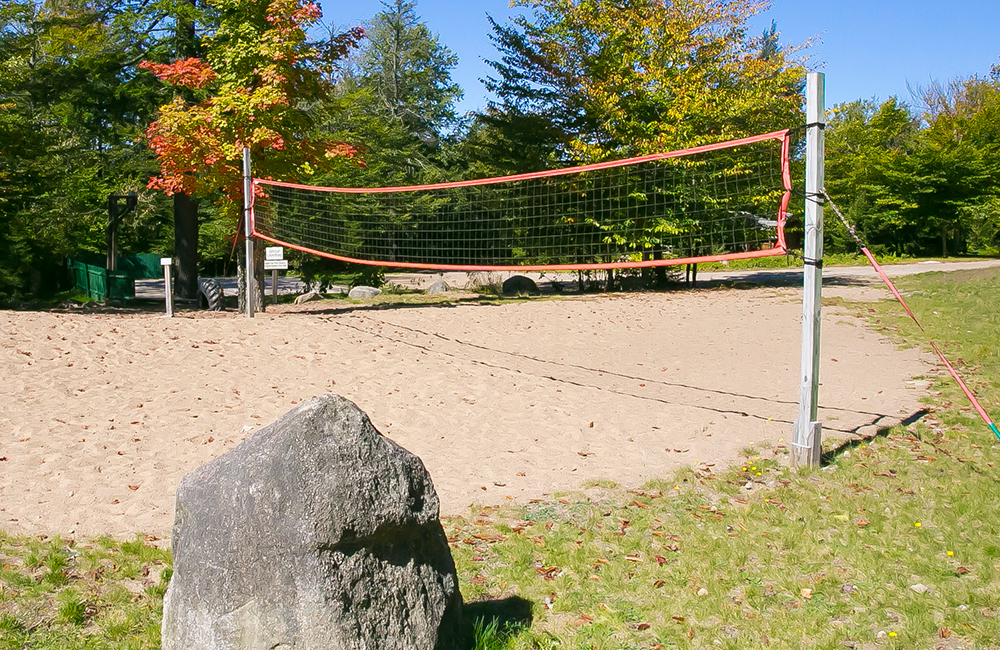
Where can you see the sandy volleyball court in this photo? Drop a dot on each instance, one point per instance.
(104, 413)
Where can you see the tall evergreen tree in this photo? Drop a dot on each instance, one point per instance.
(398, 99)
(408, 72)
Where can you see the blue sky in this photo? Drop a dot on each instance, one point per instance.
(867, 48)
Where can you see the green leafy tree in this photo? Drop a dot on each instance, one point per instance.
(865, 142)
(582, 81)
(917, 184)
(963, 120)
(73, 110)
(641, 76)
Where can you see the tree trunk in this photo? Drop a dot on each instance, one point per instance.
(691, 274)
(186, 246)
(185, 207)
(661, 271)
(944, 241)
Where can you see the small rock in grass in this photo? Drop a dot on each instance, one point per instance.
(363, 292)
(438, 287)
(308, 297)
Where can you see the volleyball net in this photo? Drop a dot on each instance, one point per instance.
(717, 202)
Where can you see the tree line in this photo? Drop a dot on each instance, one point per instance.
(159, 97)
(921, 179)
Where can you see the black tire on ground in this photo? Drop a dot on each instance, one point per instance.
(210, 294)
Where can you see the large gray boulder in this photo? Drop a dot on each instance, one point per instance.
(315, 533)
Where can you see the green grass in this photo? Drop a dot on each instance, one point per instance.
(894, 544)
(830, 259)
(95, 595)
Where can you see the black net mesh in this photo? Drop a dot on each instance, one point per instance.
(725, 202)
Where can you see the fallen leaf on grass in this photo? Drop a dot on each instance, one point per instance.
(549, 572)
(642, 626)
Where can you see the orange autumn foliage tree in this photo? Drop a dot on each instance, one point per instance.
(250, 90)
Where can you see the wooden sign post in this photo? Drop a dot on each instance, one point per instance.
(274, 261)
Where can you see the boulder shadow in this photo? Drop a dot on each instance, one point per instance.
(503, 618)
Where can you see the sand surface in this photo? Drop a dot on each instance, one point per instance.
(104, 413)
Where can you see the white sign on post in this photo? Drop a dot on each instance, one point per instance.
(166, 261)
(274, 253)
(275, 265)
